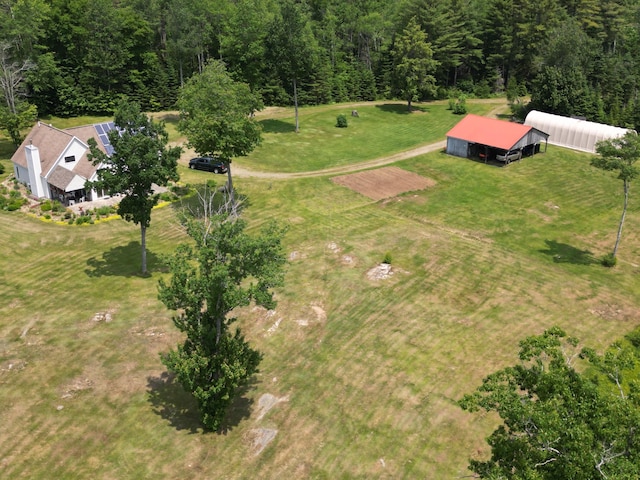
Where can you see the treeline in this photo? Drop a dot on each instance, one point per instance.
(69, 57)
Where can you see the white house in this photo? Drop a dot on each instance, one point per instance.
(53, 163)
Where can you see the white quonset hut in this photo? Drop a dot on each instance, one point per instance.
(573, 132)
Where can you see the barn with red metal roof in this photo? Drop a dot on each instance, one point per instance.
(489, 139)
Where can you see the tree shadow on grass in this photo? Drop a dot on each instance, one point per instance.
(401, 109)
(277, 126)
(169, 400)
(563, 253)
(123, 261)
(508, 117)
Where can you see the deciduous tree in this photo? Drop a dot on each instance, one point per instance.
(620, 155)
(216, 115)
(558, 423)
(140, 162)
(15, 113)
(223, 269)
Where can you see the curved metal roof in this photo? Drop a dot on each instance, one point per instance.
(573, 132)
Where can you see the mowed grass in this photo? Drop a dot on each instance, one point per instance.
(379, 130)
(369, 371)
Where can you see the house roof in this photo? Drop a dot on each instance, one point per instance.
(51, 142)
(84, 168)
(61, 177)
(489, 131)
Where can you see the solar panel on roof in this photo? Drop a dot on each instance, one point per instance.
(103, 129)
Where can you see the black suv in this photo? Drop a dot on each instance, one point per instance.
(208, 163)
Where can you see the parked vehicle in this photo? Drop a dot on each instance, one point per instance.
(510, 156)
(209, 164)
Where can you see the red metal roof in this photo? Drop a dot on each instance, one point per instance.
(489, 131)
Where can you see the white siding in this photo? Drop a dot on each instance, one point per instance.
(76, 184)
(21, 173)
(75, 149)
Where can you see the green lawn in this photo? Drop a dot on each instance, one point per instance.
(378, 131)
(369, 371)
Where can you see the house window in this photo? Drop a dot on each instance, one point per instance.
(70, 158)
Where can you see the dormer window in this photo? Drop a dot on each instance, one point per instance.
(70, 158)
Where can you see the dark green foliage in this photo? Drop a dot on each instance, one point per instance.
(213, 375)
(15, 122)
(559, 423)
(414, 64)
(387, 258)
(141, 160)
(341, 121)
(216, 115)
(609, 260)
(634, 338)
(482, 90)
(294, 50)
(225, 268)
(90, 55)
(561, 92)
(460, 106)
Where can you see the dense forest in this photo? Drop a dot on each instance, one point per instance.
(70, 57)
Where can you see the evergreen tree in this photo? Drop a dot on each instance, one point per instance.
(414, 64)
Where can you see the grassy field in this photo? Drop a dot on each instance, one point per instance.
(379, 130)
(367, 372)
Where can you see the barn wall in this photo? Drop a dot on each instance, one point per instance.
(530, 138)
(457, 147)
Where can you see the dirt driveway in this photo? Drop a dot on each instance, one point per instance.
(378, 162)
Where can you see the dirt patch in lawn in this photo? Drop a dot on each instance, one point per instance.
(384, 182)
